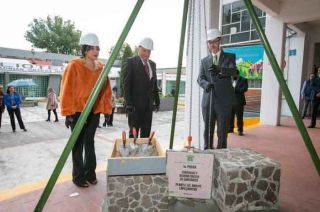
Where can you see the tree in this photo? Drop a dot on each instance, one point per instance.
(55, 35)
(125, 52)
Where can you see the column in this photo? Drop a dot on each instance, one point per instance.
(270, 95)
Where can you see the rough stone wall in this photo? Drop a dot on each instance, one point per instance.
(245, 180)
(137, 193)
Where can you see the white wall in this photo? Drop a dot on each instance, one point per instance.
(294, 70)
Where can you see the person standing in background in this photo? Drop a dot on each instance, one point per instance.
(12, 101)
(306, 96)
(52, 104)
(315, 100)
(2, 106)
(240, 85)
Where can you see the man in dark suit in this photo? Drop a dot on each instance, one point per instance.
(240, 85)
(218, 96)
(315, 100)
(140, 89)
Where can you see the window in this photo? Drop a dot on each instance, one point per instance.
(245, 21)
(254, 35)
(227, 29)
(36, 91)
(237, 6)
(258, 12)
(235, 17)
(2, 80)
(240, 37)
(263, 23)
(226, 39)
(237, 25)
(226, 14)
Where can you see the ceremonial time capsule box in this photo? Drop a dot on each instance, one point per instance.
(139, 164)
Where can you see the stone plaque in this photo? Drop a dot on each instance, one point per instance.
(189, 174)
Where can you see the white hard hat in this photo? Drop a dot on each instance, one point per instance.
(213, 34)
(146, 43)
(90, 39)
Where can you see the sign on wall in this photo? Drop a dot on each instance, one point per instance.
(249, 60)
(8, 66)
(189, 174)
(292, 52)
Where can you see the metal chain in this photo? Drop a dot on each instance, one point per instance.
(191, 35)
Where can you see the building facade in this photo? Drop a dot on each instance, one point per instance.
(45, 69)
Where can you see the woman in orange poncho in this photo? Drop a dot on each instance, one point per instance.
(77, 84)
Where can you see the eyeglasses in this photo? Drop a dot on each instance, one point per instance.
(214, 41)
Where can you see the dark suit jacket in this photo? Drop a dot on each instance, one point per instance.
(139, 90)
(240, 89)
(223, 97)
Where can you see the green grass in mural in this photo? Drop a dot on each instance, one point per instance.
(250, 70)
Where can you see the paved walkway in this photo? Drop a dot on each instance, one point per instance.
(27, 161)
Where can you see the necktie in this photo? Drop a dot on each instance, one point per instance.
(146, 68)
(215, 60)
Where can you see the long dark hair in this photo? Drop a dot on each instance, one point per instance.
(10, 86)
(85, 49)
(1, 92)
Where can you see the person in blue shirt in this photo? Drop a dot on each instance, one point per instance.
(12, 100)
(315, 100)
(306, 95)
(2, 107)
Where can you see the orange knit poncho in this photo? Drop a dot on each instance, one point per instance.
(76, 86)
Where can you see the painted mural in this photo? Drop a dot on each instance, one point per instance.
(249, 60)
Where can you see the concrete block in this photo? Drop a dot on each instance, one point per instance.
(245, 180)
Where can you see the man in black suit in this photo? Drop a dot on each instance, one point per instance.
(218, 96)
(240, 85)
(140, 89)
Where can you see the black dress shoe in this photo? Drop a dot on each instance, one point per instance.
(311, 126)
(25, 130)
(82, 185)
(240, 133)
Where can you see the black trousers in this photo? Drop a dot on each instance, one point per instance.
(18, 115)
(237, 111)
(84, 168)
(108, 119)
(315, 105)
(0, 118)
(141, 120)
(305, 110)
(223, 120)
(55, 114)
